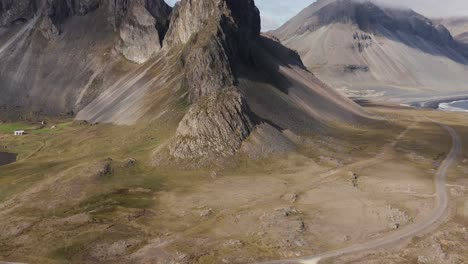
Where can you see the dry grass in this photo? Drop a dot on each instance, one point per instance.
(57, 182)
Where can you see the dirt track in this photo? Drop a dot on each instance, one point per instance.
(437, 216)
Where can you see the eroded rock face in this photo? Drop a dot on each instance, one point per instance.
(141, 24)
(59, 10)
(207, 69)
(48, 29)
(216, 35)
(117, 10)
(162, 13)
(214, 127)
(139, 39)
(238, 19)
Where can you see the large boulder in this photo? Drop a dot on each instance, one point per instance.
(139, 39)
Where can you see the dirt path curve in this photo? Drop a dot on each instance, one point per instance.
(435, 219)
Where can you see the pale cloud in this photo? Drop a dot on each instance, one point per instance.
(276, 12)
(433, 8)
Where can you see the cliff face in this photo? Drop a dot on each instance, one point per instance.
(57, 56)
(139, 40)
(141, 24)
(214, 42)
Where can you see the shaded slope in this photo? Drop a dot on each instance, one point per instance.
(63, 56)
(366, 50)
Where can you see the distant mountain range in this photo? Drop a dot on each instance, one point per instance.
(364, 49)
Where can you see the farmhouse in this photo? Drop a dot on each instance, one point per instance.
(19, 132)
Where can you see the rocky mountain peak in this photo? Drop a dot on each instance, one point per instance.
(216, 36)
(193, 16)
(367, 16)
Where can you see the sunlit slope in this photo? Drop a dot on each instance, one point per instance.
(402, 55)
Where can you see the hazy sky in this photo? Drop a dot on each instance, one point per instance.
(276, 12)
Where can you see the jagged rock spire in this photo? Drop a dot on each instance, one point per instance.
(216, 36)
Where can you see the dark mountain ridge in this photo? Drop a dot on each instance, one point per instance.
(200, 65)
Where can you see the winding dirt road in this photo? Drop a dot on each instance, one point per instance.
(436, 218)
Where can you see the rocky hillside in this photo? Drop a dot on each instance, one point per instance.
(58, 55)
(203, 63)
(369, 50)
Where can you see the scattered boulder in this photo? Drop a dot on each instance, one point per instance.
(290, 197)
(106, 168)
(106, 251)
(397, 218)
(233, 243)
(77, 219)
(130, 162)
(206, 212)
(138, 214)
(436, 255)
(81, 122)
(287, 211)
(354, 178)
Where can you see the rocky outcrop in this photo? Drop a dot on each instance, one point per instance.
(162, 13)
(213, 128)
(216, 36)
(117, 10)
(48, 29)
(207, 68)
(139, 39)
(143, 29)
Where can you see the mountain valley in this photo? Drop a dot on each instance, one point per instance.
(150, 133)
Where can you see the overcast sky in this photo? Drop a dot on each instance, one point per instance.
(276, 12)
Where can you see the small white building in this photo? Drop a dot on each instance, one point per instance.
(19, 132)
